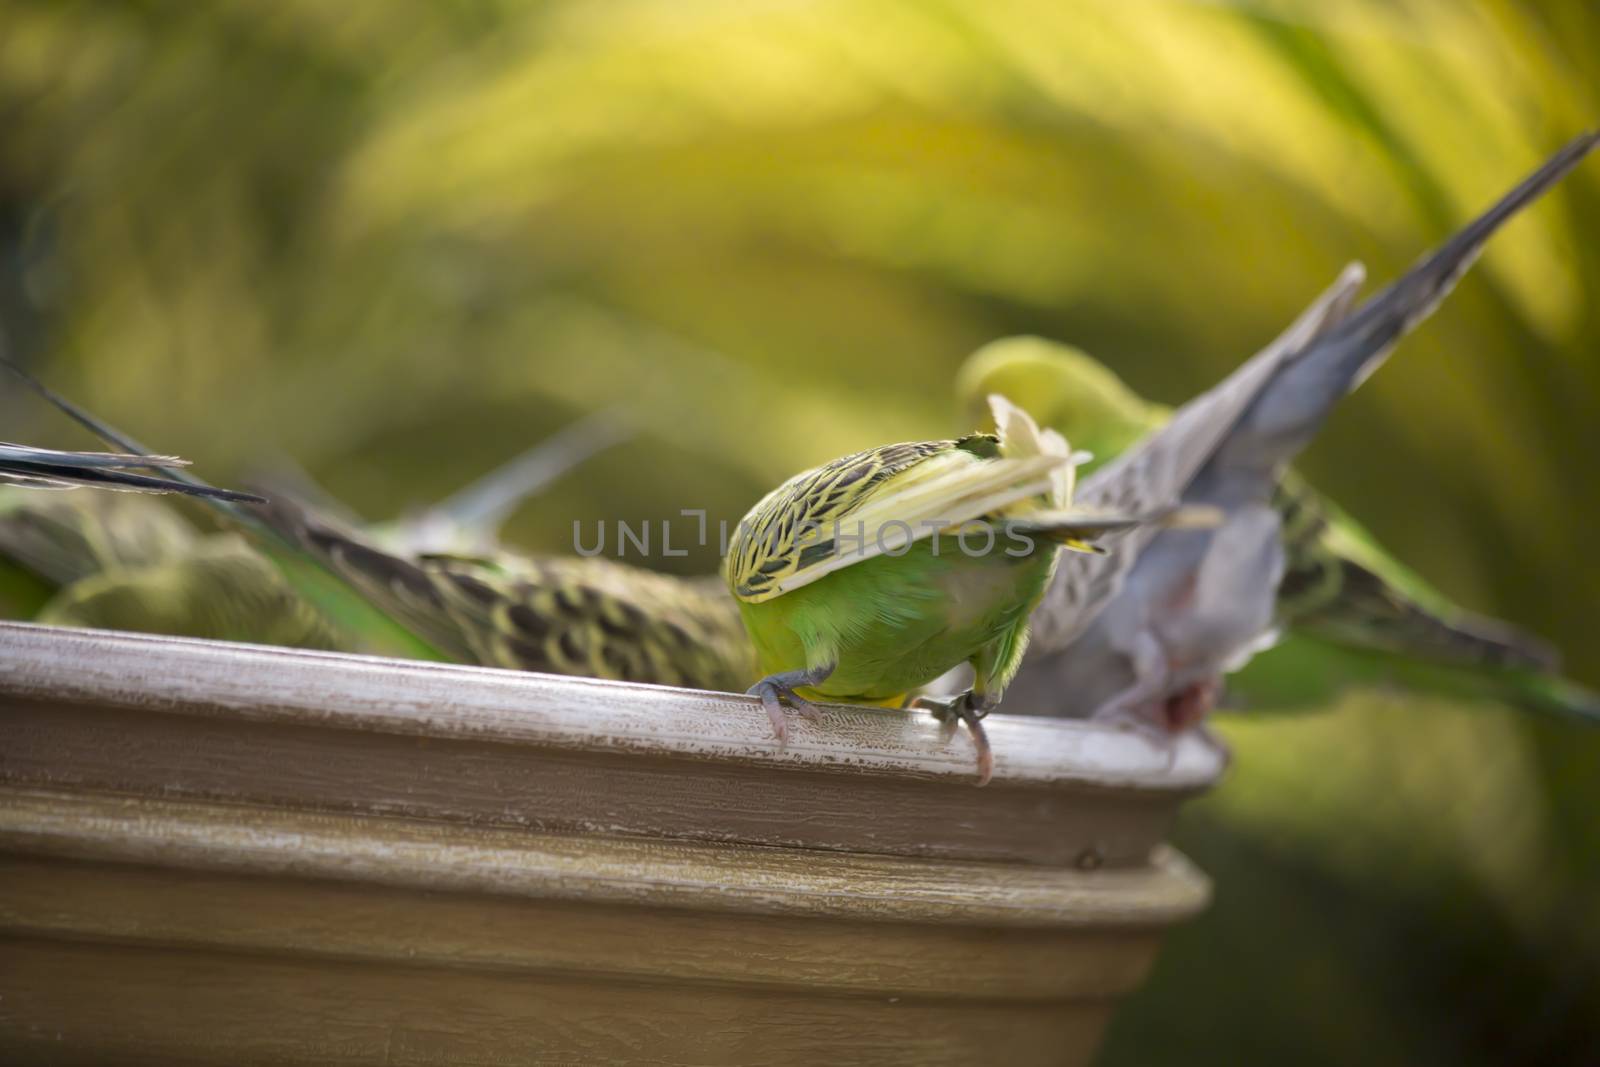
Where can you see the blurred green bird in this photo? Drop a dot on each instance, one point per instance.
(63, 537)
(129, 562)
(434, 586)
(142, 568)
(1352, 613)
(220, 589)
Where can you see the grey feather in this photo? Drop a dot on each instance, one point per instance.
(49, 468)
(1166, 608)
(1156, 472)
(468, 521)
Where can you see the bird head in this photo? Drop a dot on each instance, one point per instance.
(1062, 387)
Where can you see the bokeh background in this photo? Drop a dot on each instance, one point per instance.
(401, 241)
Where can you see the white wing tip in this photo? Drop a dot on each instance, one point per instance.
(1018, 429)
(1354, 273)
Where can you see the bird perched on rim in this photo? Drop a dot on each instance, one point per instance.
(865, 579)
(1350, 613)
(577, 616)
(142, 568)
(1145, 633)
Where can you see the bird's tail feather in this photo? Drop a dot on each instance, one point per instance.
(104, 468)
(1288, 412)
(1399, 306)
(1369, 612)
(308, 573)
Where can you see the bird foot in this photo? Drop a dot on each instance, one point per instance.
(1142, 720)
(774, 694)
(1189, 706)
(1160, 722)
(968, 709)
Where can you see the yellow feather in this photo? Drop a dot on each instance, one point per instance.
(948, 485)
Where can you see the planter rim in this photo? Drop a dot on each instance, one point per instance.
(577, 715)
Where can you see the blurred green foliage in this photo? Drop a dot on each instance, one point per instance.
(398, 242)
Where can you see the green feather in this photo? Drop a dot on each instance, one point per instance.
(219, 589)
(906, 598)
(332, 586)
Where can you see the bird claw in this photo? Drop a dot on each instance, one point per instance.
(1161, 721)
(956, 711)
(773, 696)
(1124, 716)
(1130, 718)
(769, 700)
(804, 708)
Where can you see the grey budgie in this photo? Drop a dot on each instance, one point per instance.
(1145, 632)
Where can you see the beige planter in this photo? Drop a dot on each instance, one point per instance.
(230, 854)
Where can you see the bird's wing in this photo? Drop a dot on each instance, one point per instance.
(347, 563)
(597, 618)
(1157, 469)
(587, 617)
(873, 502)
(1340, 584)
(49, 468)
(56, 475)
(1154, 473)
(1229, 445)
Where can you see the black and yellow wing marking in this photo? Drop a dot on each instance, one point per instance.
(841, 513)
(588, 617)
(1334, 585)
(768, 544)
(598, 619)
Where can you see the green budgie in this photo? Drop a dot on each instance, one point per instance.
(559, 615)
(51, 540)
(865, 579)
(131, 562)
(571, 616)
(1145, 634)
